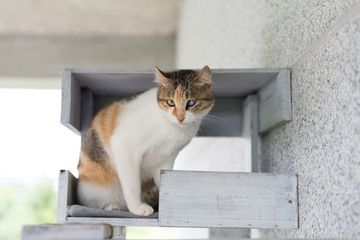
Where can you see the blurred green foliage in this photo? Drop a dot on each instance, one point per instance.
(36, 204)
(25, 205)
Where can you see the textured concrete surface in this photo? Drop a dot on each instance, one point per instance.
(320, 42)
(220, 34)
(322, 143)
(292, 26)
(253, 34)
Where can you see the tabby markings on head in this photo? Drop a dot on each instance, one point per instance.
(184, 87)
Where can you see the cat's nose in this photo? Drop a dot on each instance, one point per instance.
(180, 118)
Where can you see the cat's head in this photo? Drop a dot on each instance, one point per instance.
(186, 96)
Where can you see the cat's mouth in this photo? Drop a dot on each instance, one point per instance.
(185, 124)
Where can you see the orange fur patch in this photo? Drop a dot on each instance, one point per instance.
(101, 172)
(106, 121)
(179, 109)
(92, 172)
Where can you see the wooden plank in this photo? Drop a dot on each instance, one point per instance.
(70, 102)
(67, 231)
(239, 200)
(87, 108)
(66, 194)
(226, 82)
(119, 233)
(250, 129)
(124, 222)
(67, 197)
(275, 102)
(230, 86)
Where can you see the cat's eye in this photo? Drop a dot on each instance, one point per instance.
(190, 103)
(170, 102)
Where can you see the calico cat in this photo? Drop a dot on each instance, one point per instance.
(131, 140)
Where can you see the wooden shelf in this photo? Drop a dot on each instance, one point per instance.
(85, 91)
(248, 101)
(223, 199)
(206, 199)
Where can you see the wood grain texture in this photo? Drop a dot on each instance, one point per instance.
(66, 194)
(239, 200)
(275, 102)
(250, 131)
(207, 199)
(230, 86)
(123, 222)
(70, 102)
(67, 231)
(116, 82)
(87, 108)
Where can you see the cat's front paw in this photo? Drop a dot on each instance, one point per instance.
(142, 210)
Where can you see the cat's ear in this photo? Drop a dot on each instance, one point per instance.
(204, 76)
(161, 79)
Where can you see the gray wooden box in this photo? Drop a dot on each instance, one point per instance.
(206, 199)
(86, 91)
(255, 100)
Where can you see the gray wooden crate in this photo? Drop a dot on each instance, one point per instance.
(67, 231)
(67, 197)
(248, 102)
(218, 199)
(85, 91)
(206, 199)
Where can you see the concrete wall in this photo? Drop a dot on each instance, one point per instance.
(320, 42)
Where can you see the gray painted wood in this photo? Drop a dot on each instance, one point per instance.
(230, 86)
(236, 200)
(123, 222)
(67, 197)
(115, 82)
(249, 121)
(119, 233)
(251, 129)
(70, 102)
(87, 109)
(206, 199)
(67, 231)
(66, 194)
(275, 102)
(229, 233)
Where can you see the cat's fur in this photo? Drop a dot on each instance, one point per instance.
(130, 141)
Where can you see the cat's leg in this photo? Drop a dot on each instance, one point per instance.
(128, 169)
(102, 197)
(167, 164)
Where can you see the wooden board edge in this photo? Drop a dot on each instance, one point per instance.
(199, 221)
(121, 222)
(275, 102)
(65, 195)
(70, 102)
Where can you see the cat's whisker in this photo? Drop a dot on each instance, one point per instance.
(212, 128)
(217, 125)
(223, 122)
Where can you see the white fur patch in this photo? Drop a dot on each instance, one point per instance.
(146, 140)
(100, 197)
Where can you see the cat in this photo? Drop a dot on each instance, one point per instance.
(131, 140)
